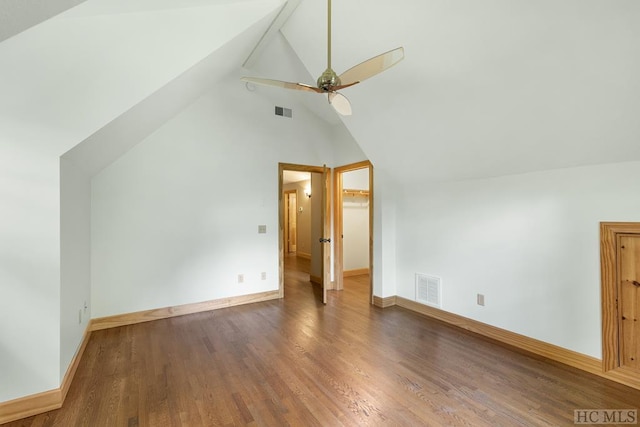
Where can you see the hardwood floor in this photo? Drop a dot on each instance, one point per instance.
(297, 362)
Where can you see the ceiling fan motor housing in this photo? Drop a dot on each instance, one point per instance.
(328, 79)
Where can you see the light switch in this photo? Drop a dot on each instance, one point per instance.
(262, 229)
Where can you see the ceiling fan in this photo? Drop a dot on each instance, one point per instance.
(330, 83)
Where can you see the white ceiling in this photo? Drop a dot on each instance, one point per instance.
(488, 87)
(289, 177)
(18, 15)
(75, 74)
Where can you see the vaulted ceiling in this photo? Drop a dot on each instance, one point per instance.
(487, 88)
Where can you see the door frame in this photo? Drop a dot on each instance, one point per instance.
(338, 229)
(609, 270)
(326, 266)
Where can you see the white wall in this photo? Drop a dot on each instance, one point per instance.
(529, 243)
(355, 217)
(384, 234)
(75, 259)
(175, 220)
(346, 150)
(356, 179)
(356, 233)
(29, 268)
(44, 268)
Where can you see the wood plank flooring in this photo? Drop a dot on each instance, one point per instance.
(297, 362)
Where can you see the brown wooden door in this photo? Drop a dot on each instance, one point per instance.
(323, 210)
(629, 301)
(326, 233)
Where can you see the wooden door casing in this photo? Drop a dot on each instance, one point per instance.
(629, 300)
(619, 269)
(326, 273)
(338, 223)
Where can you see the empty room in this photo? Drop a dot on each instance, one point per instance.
(319, 212)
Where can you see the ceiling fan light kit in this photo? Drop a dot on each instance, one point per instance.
(330, 83)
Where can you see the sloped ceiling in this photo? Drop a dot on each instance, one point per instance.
(18, 15)
(72, 75)
(132, 126)
(487, 88)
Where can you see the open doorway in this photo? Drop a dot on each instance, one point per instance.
(296, 186)
(306, 262)
(353, 224)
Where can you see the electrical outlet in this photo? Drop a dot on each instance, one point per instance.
(480, 299)
(263, 275)
(240, 278)
(262, 229)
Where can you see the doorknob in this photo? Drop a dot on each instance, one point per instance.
(635, 283)
(323, 240)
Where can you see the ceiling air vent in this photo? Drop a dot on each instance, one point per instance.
(428, 290)
(285, 112)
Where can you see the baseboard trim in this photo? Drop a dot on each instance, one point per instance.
(315, 279)
(550, 351)
(303, 255)
(384, 302)
(179, 310)
(39, 403)
(75, 362)
(623, 376)
(355, 272)
(531, 345)
(28, 406)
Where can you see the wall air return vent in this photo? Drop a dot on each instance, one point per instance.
(284, 112)
(428, 290)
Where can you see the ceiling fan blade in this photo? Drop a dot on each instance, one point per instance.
(372, 66)
(340, 87)
(279, 83)
(340, 103)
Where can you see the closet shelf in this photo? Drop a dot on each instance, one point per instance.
(355, 193)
